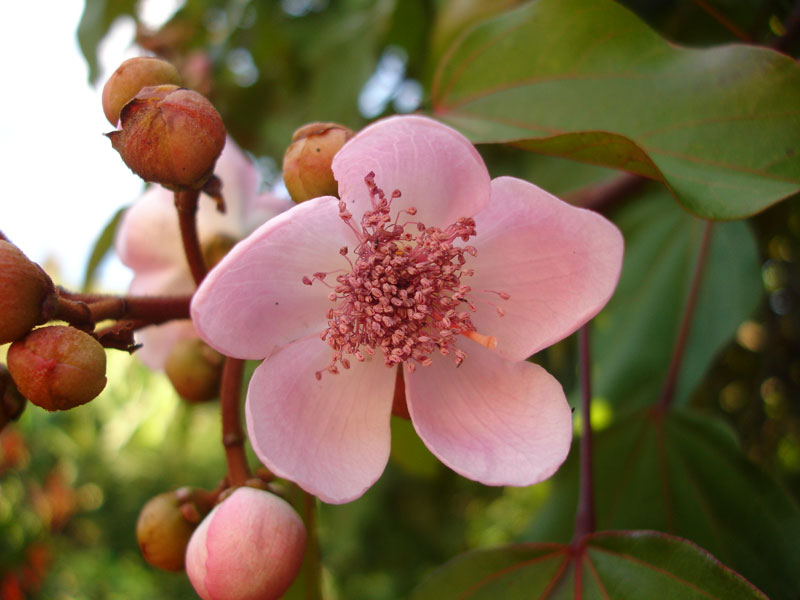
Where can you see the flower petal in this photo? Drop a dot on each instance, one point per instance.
(436, 169)
(492, 420)
(157, 341)
(151, 217)
(330, 436)
(254, 300)
(560, 264)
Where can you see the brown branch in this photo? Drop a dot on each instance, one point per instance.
(186, 202)
(232, 433)
(585, 516)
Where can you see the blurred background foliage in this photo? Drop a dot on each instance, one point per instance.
(71, 484)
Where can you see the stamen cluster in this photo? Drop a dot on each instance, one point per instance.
(404, 294)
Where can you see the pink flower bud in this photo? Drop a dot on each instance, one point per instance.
(250, 547)
(58, 368)
(130, 77)
(307, 162)
(195, 370)
(23, 288)
(170, 136)
(167, 522)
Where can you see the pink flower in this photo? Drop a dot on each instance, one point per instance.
(148, 241)
(250, 547)
(509, 271)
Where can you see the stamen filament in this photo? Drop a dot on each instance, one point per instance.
(488, 341)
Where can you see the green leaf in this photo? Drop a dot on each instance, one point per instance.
(102, 246)
(585, 79)
(613, 565)
(97, 18)
(685, 475)
(633, 337)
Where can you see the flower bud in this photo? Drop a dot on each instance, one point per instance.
(167, 522)
(23, 289)
(58, 368)
(307, 162)
(195, 370)
(12, 403)
(130, 77)
(170, 135)
(250, 547)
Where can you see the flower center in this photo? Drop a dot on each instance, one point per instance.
(404, 293)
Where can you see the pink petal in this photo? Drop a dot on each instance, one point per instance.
(151, 217)
(491, 420)
(254, 300)
(157, 341)
(560, 265)
(436, 169)
(330, 436)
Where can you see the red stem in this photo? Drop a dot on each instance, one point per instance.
(585, 517)
(186, 203)
(232, 434)
(668, 391)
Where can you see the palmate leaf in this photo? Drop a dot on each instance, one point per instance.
(661, 247)
(614, 565)
(684, 474)
(587, 80)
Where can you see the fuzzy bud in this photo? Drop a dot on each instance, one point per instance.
(250, 547)
(170, 135)
(58, 368)
(130, 77)
(166, 524)
(23, 289)
(307, 162)
(12, 403)
(195, 370)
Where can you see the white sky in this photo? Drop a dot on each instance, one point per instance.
(60, 180)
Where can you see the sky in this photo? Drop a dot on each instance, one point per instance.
(61, 180)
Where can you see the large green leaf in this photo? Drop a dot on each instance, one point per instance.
(585, 79)
(685, 475)
(619, 565)
(633, 337)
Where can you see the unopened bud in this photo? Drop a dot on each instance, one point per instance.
(250, 547)
(170, 135)
(166, 524)
(216, 248)
(12, 403)
(195, 370)
(23, 289)
(130, 77)
(58, 368)
(307, 162)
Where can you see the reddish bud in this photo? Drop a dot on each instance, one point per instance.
(195, 370)
(12, 403)
(250, 547)
(23, 289)
(170, 135)
(307, 162)
(58, 368)
(130, 77)
(167, 522)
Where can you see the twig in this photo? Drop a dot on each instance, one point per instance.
(585, 516)
(232, 434)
